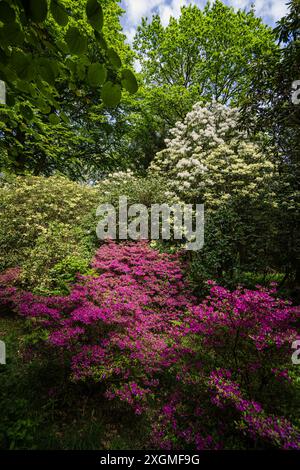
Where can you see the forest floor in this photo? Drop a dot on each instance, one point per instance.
(42, 410)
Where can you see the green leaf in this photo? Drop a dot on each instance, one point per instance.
(95, 14)
(48, 70)
(114, 58)
(80, 71)
(44, 108)
(54, 119)
(129, 81)
(22, 64)
(26, 112)
(111, 94)
(7, 14)
(77, 42)
(59, 13)
(97, 75)
(101, 40)
(11, 34)
(38, 10)
(64, 118)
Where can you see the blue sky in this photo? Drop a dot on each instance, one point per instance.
(269, 10)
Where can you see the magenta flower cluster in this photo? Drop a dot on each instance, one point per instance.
(253, 419)
(135, 327)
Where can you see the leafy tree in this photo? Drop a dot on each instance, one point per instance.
(208, 159)
(204, 55)
(57, 57)
(269, 106)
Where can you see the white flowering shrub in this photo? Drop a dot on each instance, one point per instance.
(147, 190)
(209, 159)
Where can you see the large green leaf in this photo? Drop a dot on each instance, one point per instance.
(95, 14)
(54, 119)
(22, 65)
(38, 10)
(11, 34)
(48, 70)
(7, 14)
(77, 42)
(129, 81)
(114, 58)
(26, 112)
(59, 13)
(97, 74)
(101, 40)
(111, 94)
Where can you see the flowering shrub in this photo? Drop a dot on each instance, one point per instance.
(44, 221)
(148, 190)
(135, 328)
(253, 418)
(251, 332)
(209, 159)
(120, 323)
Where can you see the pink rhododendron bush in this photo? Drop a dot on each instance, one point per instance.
(206, 376)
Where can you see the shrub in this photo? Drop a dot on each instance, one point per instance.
(47, 228)
(239, 246)
(209, 159)
(136, 329)
(146, 190)
(29, 205)
(59, 254)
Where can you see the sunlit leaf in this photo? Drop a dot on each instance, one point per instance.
(97, 74)
(111, 94)
(76, 41)
(59, 13)
(95, 14)
(129, 81)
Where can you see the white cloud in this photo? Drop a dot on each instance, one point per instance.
(130, 33)
(136, 9)
(270, 10)
(165, 11)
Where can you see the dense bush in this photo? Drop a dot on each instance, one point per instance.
(45, 224)
(30, 204)
(213, 375)
(208, 159)
(237, 243)
(146, 190)
(58, 256)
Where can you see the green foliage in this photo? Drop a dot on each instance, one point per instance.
(273, 111)
(144, 190)
(47, 228)
(97, 74)
(129, 81)
(241, 247)
(95, 14)
(59, 12)
(204, 55)
(47, 62)
(76, 41)
(33, 397)
(111, 94)
(59, 255)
